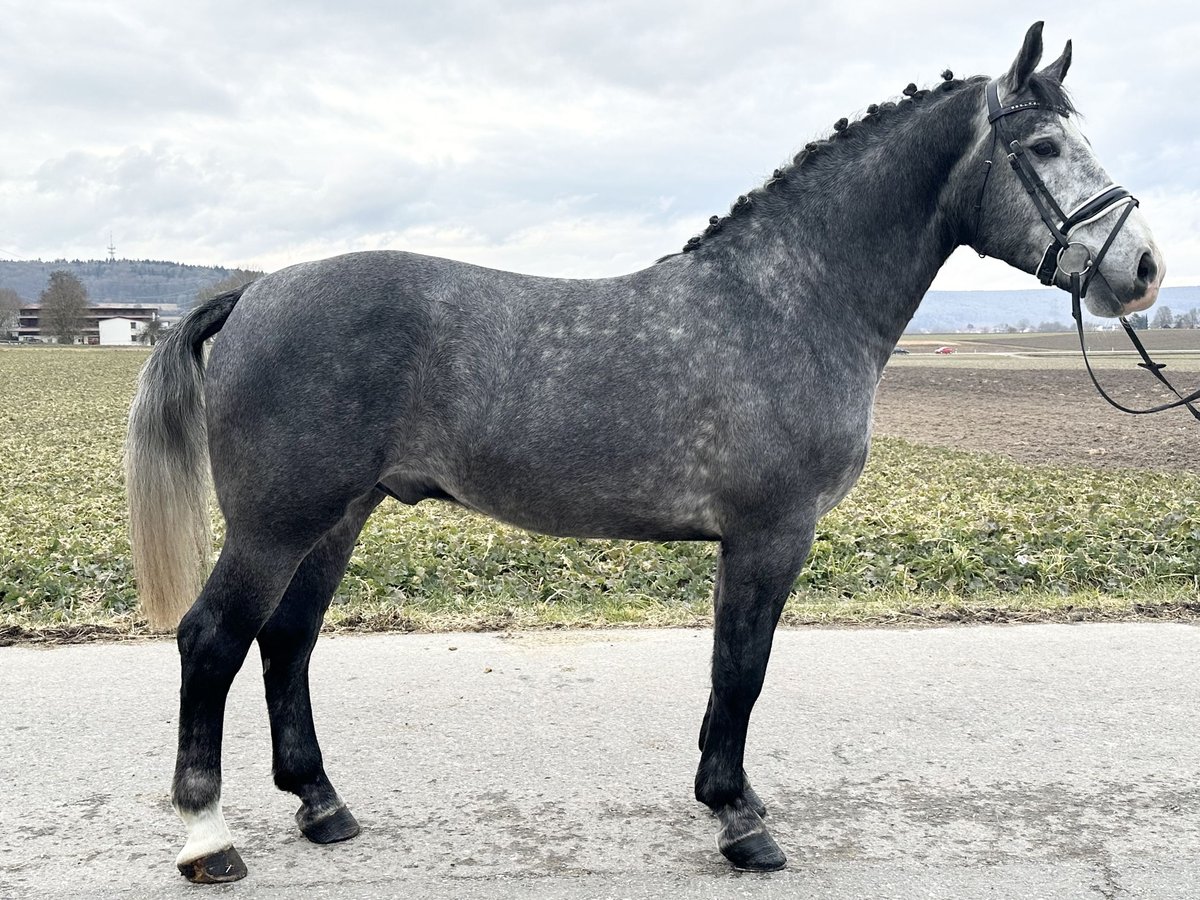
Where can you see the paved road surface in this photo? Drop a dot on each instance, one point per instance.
(997, 762)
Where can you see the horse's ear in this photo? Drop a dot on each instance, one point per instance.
(1058, 69)
(1027, 59)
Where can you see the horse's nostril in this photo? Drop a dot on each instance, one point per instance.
(1147, 268)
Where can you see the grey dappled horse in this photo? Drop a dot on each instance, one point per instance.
(722, 394)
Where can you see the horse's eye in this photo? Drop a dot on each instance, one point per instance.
(1045, 148)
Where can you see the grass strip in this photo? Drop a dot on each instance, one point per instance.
(927, 536)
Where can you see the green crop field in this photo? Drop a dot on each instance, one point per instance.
(928, 535)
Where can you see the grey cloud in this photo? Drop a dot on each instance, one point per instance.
(90, 67)
(152, 181)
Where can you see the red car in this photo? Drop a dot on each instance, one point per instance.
(944, 350)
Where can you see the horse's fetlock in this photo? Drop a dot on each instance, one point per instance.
(716, 791)
(298, 780)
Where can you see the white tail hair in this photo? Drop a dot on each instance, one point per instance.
(167, 471)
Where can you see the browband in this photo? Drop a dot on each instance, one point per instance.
(996, 111)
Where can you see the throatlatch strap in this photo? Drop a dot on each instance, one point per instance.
(1048, 267)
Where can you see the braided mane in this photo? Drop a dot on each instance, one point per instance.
(851, 134)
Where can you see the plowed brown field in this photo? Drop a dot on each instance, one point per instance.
(1038, 414)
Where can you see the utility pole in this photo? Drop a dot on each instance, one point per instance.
(112, 249)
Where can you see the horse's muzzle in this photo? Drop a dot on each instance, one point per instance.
(1147, 281)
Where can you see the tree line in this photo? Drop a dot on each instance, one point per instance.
(115, 281)
(1163, 318)
(64, 305)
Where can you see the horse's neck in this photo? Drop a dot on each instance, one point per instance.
(859, 239)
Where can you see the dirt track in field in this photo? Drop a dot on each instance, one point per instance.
(1045, 416)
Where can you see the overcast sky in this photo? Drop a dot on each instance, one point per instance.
(562, 138)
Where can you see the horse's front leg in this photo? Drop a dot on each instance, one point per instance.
(751, 795)
(754, 578)
(755, 802)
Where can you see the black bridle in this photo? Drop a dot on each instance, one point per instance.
(1072, 258)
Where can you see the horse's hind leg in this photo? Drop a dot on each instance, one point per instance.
(241, 593)
(756, 575)
(286, 643)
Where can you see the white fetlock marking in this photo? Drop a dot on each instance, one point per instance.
(207, 833)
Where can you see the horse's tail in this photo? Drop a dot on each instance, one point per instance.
(166, 467)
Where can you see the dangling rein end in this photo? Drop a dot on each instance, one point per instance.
(1154, 368)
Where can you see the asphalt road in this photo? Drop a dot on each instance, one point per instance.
(999, 762)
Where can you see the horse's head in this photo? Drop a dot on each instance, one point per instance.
(1030, 107)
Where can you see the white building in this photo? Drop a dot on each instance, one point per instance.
(120, 331)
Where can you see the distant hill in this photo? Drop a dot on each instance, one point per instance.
(173, 285)
(145, 282)
(955, 311)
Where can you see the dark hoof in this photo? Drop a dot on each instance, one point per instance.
(339, 825)
(216, 868)
(756, 852)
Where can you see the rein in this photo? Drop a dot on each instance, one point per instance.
(1072, 258)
